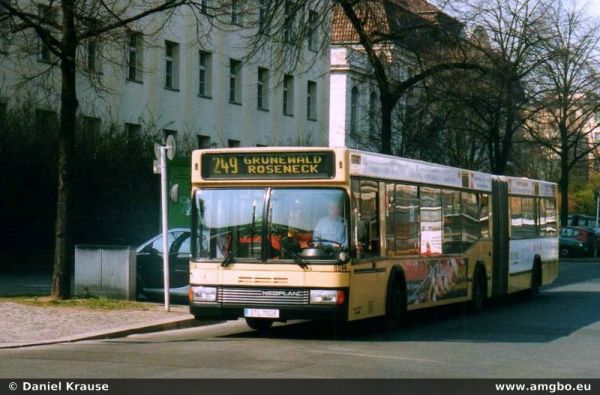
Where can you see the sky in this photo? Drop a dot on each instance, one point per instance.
(592, 5)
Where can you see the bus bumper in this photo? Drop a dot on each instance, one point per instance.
(230, 310)
(233, 312)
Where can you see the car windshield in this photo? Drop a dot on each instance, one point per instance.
(270, 224)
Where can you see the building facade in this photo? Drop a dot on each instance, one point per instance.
(355, 114)
(190, 76)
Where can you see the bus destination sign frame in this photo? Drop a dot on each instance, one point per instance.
(268, 165)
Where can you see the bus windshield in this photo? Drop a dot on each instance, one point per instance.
(268, 224)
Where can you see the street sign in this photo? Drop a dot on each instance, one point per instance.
(157, 151)
(171, 147)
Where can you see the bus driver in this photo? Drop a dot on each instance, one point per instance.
(332, 227)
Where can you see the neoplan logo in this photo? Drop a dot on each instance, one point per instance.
(281, 293)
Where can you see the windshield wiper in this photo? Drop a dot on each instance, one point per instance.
(301, 262)
(229, 258)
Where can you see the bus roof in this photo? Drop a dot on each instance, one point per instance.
(354, 162)
(395, 168)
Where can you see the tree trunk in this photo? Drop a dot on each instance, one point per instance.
(564, 190)
(386, 124)
(63, 253)
(502, 159)
(565, 152)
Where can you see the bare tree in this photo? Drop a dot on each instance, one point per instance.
(572, 102)
(453, 131)
(62, 27)
(59, 31)
(508, 37)
(404, 42)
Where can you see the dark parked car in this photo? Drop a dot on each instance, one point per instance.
(582, 220)
(571, 248)
(150, 266)
(577, 241)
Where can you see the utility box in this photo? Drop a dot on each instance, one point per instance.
(105, 271)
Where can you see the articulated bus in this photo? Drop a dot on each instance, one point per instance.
(335, 233)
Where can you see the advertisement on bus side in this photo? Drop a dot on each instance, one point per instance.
(432, 280)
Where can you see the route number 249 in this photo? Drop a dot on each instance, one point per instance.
(225, 165)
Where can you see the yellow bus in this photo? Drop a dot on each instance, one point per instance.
(310, 233)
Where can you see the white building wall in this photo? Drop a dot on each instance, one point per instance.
(150, 104)
(349, 69)
(338, 112)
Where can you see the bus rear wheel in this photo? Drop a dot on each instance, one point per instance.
(536, 279)
(259, 324)
(478, 294)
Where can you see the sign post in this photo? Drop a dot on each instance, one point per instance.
(596, 230)
(165, 151)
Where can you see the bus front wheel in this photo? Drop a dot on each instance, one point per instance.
(396, 306)
(259, 324)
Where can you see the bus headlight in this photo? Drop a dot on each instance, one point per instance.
(326, 296)
(204, 294)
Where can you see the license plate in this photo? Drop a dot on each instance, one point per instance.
(261, 313)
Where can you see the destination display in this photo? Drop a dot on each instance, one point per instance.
(266, 165)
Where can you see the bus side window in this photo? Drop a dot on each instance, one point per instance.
(551, 226)
(484, 216)
(402, 219)
(516, 217)
(365, 195)
(431, 220)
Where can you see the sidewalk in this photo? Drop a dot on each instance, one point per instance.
(25, 325)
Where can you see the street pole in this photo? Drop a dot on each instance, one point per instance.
(596, 230)
(165, 226)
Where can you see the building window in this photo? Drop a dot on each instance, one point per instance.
(204, 6)
(236, 12)
(288, 95)
(4, 30)
(262, 17)
(92, 56)
(91, 48)
(46, 121)
(3, 113)
(373, 114)
(48, 18)
(233, 143)
(171, 65)
(133, 131)
(204, 73)
(313, 35)
(135, 56)
(203, 141)
(92, 125)
(235, 81)
(354, 111)
(262, 89)
(311, 100)
(288, 22)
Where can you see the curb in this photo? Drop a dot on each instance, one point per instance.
(157, 326)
